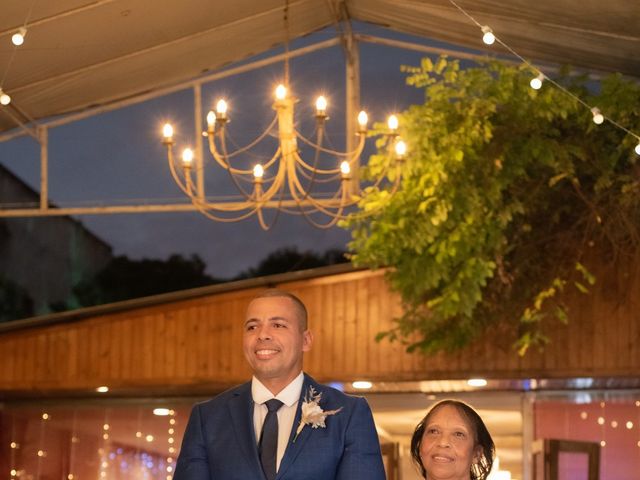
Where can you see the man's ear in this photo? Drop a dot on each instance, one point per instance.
(307, 340)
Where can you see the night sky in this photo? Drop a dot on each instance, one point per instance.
(117, 157)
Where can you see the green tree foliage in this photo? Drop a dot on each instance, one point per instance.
(506, 192)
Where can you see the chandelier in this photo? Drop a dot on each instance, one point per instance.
(320, 188)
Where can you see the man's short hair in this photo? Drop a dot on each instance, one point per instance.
(300, 307)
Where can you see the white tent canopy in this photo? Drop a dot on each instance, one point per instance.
(80, 54)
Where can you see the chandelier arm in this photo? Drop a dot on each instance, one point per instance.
(247, 147)
(300, 169)
(279, 209)
(354, 152)
(335, 216)
(277, 185)
(222, 159)
(320, 205)
(206, 211)
(184, 186)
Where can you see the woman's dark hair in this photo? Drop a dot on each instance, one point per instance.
(479, 470)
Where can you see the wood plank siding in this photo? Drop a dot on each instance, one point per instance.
(191, 343)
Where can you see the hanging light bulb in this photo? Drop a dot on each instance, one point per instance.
(363, 118)
(211, 119)
(401, 148)
(536, 83)
(18, 38)
(221, 109)
(5, 99)
(258, 172)
(167, 132)
(345, 169)
(488, 37)
(598, 118)
(392, 123)
(187, 158)
(321, 106)
(281, 92)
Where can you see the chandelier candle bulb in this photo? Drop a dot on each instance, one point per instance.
(281, 92)
(392, 123)
(401, 149)
(321, 106)
(363, 119)
(221, 110)
(258, 172)
(167, 133)
(345, 169)
(187, 158)
(211, 120)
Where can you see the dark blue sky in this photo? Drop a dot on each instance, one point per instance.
(118, 157)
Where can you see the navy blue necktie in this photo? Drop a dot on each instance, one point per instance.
(268, 445)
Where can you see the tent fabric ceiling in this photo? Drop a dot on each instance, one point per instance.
(79, 53)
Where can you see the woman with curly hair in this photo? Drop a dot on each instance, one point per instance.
(453, 443)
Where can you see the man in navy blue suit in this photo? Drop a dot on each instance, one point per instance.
(282, 424)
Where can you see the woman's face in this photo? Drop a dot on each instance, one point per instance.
(448, 445)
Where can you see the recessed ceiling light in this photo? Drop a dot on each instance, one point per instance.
(362, 385)
(477, 382)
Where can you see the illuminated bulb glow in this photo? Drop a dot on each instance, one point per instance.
(221, 108)
(45, 416)
(18, 38)
(392, 123)
(363, 118)
(477, 382)
(258, 171)
(149, 438)
(321, 105)
(187, 158)
(14, 473)
(629, 425)
(598, 118)
(14, 445)
(488, 37)
(637, 149)
(536, 83)
(105, 426)
(362, 385)
(167, 132)
(600, 420)
(401, 148)
(614, 424)
(345, 168)
(211, 118)
(281, 92)
(4, 98)
(161, 412)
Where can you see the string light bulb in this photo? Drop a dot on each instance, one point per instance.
(5, 99)
(18, 38)
(536, 83)
(637, 149)
(598, 118)
(487, 35)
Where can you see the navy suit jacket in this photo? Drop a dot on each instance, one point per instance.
(220, 443)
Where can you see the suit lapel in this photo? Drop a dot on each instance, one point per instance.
(241, 410)
(294, 448)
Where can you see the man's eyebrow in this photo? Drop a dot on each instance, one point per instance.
(270, 319)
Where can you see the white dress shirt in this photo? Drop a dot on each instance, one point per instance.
(289, 396)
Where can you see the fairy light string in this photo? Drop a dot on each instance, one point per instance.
(486, 29)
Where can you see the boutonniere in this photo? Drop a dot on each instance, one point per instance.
(312, 414)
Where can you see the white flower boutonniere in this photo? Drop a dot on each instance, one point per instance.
(312, 414)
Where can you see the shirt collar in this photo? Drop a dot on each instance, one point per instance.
(289, 395)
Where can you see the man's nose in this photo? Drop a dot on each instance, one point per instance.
(264, 333)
